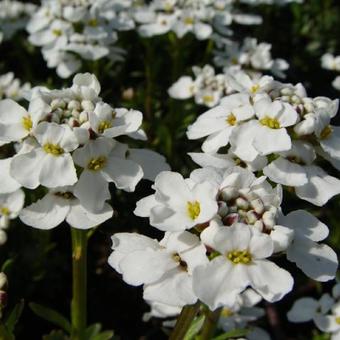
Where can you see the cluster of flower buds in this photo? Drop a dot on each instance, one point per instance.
(13, 17)
(66, 142)
(325, 312)
(69, 31)
(332, 63)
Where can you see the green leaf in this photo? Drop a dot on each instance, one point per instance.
(14, 316)
(92, 331)
(5, 334)
(56, 335)
(107, 335)
(7, 265)
(235, 333)
(51, 316)
(194, 328)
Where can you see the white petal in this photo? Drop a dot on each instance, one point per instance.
(151, 162)
(81, 218)
(25, 168)
(332, 144)
(57, 171)
(326, 323)
(7, 182)
(124, 173)
(303, 310)
(269, 140)
(269, 280)
(92, 191)
(145, 205)
(45, 214)
(287, 173)
(317, 261)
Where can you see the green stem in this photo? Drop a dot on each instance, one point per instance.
(184, 321)
(210, 323)
(79, 272)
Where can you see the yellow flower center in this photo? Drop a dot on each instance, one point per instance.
(326, 132)
(4, 211)
(53, 149)
(254, 88)
(226, 312)
(194, 209)
(272, 123)
(337, 320)
(208, 99)
(103, 125)
(239, 257)
(27, 123)
(231, 119)
(93, 22)
(97, 164)
(188, 21)
(57, 32)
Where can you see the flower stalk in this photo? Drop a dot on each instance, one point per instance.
(79, 290)
(184, 321)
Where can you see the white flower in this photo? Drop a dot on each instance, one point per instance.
(111, 123)
(103, 161)
(240, 261)
(183, 88)
(336, 83)
(316, 260)
(10, 206)
(178, 204)
(330, 62)
(219, 122)
(165, 267)
(50, 164)
(15, 122)
(58, 205)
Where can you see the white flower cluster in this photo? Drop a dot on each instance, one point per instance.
(67, 143)
(250, 56)
(69, 31)
(183, 16)
(276, 128)
(208, 88)
(325, 312)
(224, 225)
(13, 17)
(221, 229)
(331, 62)
(11, 87)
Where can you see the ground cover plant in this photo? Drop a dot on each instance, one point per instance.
(169, 169)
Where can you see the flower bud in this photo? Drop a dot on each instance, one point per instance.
(3, 281)
(87, 105)
(257, 205)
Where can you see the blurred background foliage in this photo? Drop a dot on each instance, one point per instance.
(38, 263)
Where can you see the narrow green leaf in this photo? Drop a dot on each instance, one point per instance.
(51, 316)
(5, 334)
(235, 333)
(92, 331)
(56, 335)
(194, 328)
(107, 335)
(14, 316)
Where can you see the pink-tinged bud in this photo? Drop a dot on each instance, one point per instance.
(3, 281)
(258, 206)
(3, 299)
(230, 219)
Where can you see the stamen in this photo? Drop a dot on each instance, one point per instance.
(272, 123)
(194, 209)
(97, 164)
(27, 123)
(53, 149)
(239, 257)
